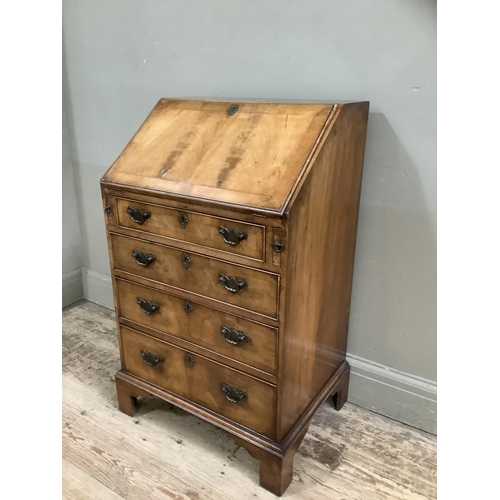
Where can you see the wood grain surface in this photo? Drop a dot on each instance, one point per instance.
(166, 453)
(321, 240)
(202, 325)
(200, 229)
(194, 149)
(200, 381)
(201, 277)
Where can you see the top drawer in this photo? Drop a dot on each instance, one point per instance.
(231, 236)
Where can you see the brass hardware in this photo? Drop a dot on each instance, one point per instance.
(232, 394)
(183, 220)
(278, 246)
(188, 307)
(147, 307)
(143, 259)
(189, 359)
(137, 215)
(150, 359)
(186, 260)
(231, 236)
(232, 109)
(231, 283)
(232, 336)
(108, 210)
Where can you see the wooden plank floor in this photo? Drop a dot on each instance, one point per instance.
(165, 453)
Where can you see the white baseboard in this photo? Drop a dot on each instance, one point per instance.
(404, 397)
(97, 288)
(401, 396)
(72, 289)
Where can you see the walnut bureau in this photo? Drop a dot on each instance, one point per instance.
(231, 229)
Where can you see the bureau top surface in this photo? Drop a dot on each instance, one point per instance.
(246, 154)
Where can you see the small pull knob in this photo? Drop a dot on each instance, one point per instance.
(147, 307)
(232, 336)
(232, 394)
(231, 236)
(188, 307)
(150, 359)
(186, 260)
(137, 215)
(232, 283)
(278, 246)
(189, 359)
(143, 259)
(108, 210)
(183, 220)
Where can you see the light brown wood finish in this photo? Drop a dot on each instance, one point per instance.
(200, 382)
(187, 295)
(201, 277)
(164, 452)
(293, 172)
(199, 229)
(321, 238)
(194, 149)
(201, 326)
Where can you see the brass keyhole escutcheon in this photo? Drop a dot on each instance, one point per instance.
(188, 307)
(183, 220)
(189, 359)
(186, 260)
(232, 110)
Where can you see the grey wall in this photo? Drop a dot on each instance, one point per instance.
(122, 56)
(72, 259)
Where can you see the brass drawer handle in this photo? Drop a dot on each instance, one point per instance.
(147, 307)
(143, 259)
(231, 283)
(137, 215)
(233, 337)
(183, 220)
(150, 359)
(232, 394)
(231, 236)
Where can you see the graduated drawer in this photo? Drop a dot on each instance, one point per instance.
(246, 341)
(200, 380)
(198, 274)
(223, 234)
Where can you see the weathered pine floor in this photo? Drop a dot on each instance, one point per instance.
(165, 453)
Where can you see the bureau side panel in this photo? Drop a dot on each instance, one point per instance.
(322, 226)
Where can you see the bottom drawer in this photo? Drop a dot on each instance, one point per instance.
(237, 396)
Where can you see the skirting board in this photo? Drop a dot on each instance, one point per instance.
(97, 288)
(401, 396)
(72, 289)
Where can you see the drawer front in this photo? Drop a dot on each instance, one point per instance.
(237, 338)
(252, 289)
(200, 380)
(231, 236)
